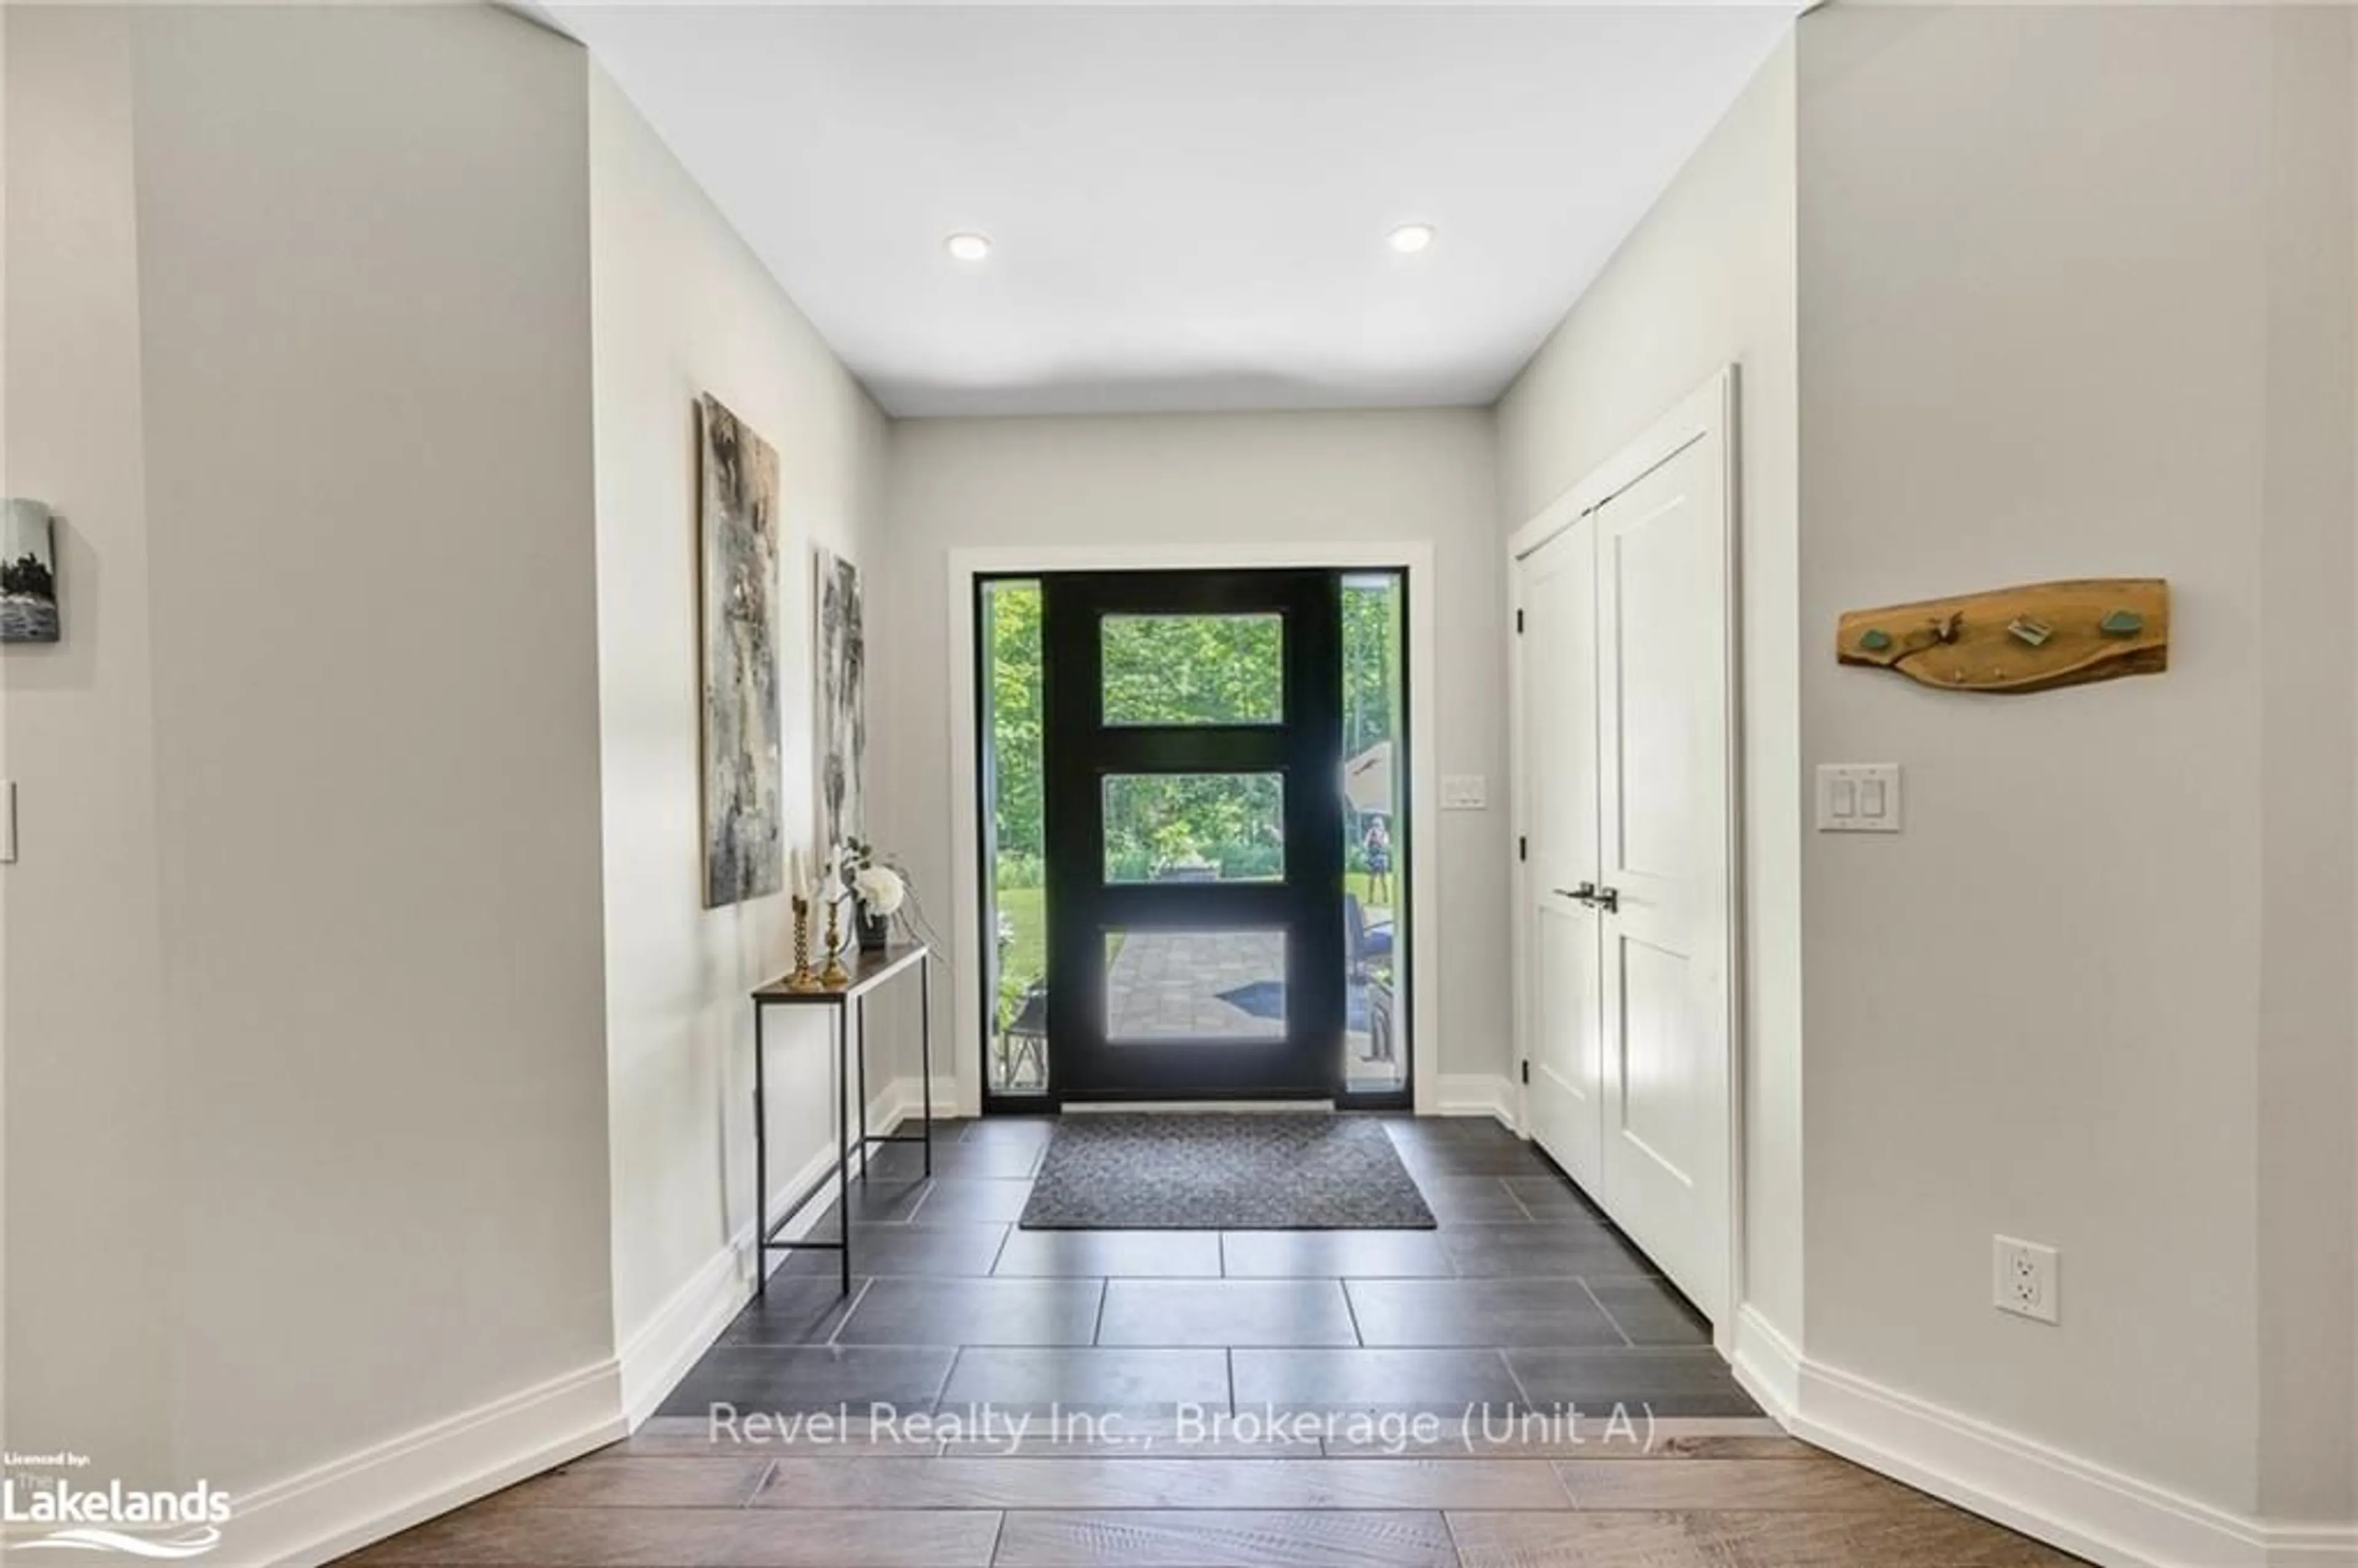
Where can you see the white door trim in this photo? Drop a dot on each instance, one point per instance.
(1708, 412)
(1413, 556)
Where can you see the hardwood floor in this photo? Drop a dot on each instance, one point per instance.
(1716, 1493)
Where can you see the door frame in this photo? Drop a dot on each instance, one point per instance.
(1708, 413)
(1413, 556)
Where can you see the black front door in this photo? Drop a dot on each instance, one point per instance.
(1194, 815)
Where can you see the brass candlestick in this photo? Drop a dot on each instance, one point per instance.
(802, 978)
(835, 974)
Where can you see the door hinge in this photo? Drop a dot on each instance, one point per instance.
(1522, 848)
(1518, 622)
(1527, 1070)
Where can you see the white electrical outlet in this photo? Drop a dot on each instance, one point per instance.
(2028, 1281)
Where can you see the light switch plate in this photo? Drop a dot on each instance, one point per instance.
(1463, 792)
(1858, 797)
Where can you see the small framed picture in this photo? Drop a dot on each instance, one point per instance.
(28, 574)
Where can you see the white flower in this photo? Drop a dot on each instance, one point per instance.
(879, 888)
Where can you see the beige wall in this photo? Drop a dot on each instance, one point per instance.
(307, 1138)
(1707, 280)
(2098, 994)
(2308, 993)
(1263, 479)
(82, 989)
(684, 307)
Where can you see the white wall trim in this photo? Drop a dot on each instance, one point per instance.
(660, 1354)
(1709, 409)
(2310, 1545)
(1415, 556)
(2062, 1499)
(666, 1345)
(320, 1514)
(1766, 1363)
(1477, 1094)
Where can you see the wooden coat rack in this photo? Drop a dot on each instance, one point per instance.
(2012, 640)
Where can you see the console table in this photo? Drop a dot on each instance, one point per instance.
(850, 1005)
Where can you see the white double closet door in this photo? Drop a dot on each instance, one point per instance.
(1623, 731)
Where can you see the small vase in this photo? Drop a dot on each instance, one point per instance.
(875, 932)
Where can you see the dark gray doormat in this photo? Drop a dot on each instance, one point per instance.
(1223, 1170)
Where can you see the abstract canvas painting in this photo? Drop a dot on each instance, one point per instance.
(744, 826)
(842, 700)
(28, 575)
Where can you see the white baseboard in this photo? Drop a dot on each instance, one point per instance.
(2312, 1545)
(2060, 1498)
(1767, 1364)
(660, 1354)
(663, 1350)
(1478, 1094)
(320, 1514)
(1194, 1107)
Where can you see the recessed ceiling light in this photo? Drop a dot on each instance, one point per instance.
(1411, 238)
(967, 247)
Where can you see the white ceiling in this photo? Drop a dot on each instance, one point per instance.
(1189, 202)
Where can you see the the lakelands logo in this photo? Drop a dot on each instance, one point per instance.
(55, 1512)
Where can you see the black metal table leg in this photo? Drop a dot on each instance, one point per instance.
(760, 1169)
(843, 1142)
(849, 1087)
(925, 1052)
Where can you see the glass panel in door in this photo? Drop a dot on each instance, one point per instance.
(1010, 687)
(1374, 795)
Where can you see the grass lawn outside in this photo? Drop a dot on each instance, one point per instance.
(1025, 911)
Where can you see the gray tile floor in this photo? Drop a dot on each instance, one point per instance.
(1524, 1297)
